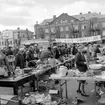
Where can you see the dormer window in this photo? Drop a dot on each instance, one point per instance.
(82, 18)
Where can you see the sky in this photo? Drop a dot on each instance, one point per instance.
(25, 13)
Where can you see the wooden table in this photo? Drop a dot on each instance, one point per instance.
(15, 83)
(50, 70)
(67, 78)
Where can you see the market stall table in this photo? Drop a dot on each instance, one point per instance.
(67, 78)
(16, 82)
(50, 70)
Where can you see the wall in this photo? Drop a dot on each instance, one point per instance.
(84, 28)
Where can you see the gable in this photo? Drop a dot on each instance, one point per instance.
(64, 18)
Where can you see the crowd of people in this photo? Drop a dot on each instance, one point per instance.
(24, 56)
(28, 57)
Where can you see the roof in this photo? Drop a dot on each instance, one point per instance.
(81, 16)
(22, 30)
(89, 16)
(46, 21)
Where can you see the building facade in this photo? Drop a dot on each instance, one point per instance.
(14, 37)
(76, 26)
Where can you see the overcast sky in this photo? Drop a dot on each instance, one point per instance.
(25, 13)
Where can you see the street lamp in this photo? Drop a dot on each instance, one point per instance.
(19, 37)
(49, 33)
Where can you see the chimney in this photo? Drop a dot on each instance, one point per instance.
(54, 17)
(18, 28)
(80, 13)
(100, 13)
(89, 12)
(36, 22)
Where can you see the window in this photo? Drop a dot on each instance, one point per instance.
(76, 27)
(2, 43)
(63, 21)
(67, 36)
(95, 25)
(66, 28)
(46, 30)
(103, 33)
(56, 22)
(103, 24)
(72, 21)
(10, 42)
(5, 43)
(53, 30)
(23, 36)
(61, 28)
(83, 27)
(82, 18)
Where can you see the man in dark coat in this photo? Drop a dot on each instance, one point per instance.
(19, 60)
(81, 65)
(74, 50)
(30, 57)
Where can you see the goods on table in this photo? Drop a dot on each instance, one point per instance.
(63, 70)
(95, 66)
(99, 61)
(71, 73)
(90, 73)
(27, 70)
(48, 63)
(18, 71)
(41, 66)
(3, 71)
(42, 99)
(53, 61)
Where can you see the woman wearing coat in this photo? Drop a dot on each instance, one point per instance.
(81, 65)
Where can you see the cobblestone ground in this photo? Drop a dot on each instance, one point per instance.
(72, 87)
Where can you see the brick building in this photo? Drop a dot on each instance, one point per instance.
(76, 26)
(12, 37)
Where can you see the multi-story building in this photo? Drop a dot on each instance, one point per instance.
(76, 26)
(13, 37)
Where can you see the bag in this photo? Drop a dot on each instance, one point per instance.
(3, 71)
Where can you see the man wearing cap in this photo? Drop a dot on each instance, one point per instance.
(81, 65)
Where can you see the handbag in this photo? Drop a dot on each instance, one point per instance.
(3, 71)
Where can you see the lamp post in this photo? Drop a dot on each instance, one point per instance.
(49, 34)
(19, 37)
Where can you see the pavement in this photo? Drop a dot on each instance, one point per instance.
(71, 86)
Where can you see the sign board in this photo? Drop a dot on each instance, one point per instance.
(80, 40)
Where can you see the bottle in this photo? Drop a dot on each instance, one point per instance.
(20, 102)
(17, 71)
